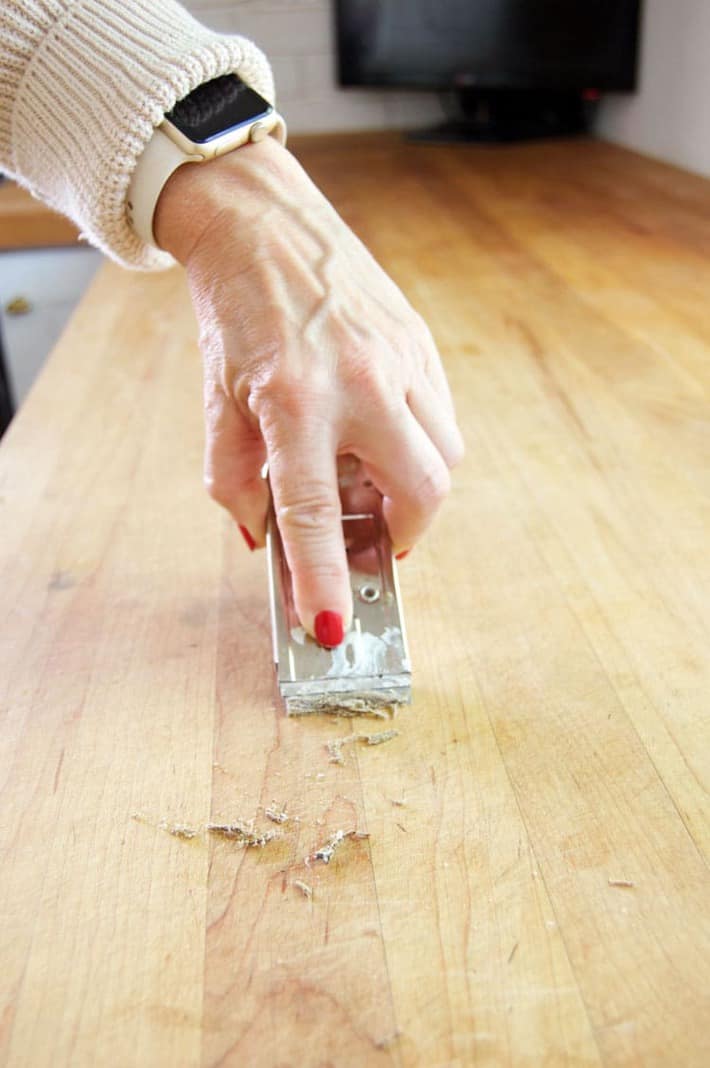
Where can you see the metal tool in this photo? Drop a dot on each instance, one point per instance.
(370, 671)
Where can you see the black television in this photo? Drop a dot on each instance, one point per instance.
(518, 67)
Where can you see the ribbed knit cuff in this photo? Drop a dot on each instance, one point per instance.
(99, 79)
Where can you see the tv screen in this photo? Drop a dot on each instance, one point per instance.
(488, 44)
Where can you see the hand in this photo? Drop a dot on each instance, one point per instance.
(310, 352)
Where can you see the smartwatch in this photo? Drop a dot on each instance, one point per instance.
(213, 119)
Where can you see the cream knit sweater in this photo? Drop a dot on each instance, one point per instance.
(83, 83)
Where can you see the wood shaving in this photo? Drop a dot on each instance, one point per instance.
(276, 813)
(305, 889)
(373, 705)
(327, 850)
(242, 833)
(335, 748)
(178, 830)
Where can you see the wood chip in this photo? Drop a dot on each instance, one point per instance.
(179, 830)
(327, 850)
(242, 833)
(335, 748)
(276, 813)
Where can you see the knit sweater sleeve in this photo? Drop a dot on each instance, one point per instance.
(83, 83)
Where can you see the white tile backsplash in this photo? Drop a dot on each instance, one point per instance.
(298, 38)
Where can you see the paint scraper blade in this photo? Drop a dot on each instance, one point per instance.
(370, 671)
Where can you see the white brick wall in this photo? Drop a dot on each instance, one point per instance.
(669, 117)
(297, 36)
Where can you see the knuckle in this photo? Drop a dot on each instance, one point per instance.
(231, 486)
(312, 512)
(433, 487)
(280, 397)
(217, 489)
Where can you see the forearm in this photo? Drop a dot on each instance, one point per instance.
(82, 86)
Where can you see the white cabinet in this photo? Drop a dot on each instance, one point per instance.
(39, 289)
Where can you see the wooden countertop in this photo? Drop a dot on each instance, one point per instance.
(27, 223)
(535, 886)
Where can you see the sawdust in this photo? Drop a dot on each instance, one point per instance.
(328, 849)
(277, 813)
(305, 889)
(344, 706)
(335, 748)
(242, 833)
(177, 830)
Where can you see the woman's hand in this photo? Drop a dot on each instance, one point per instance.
(310, 352)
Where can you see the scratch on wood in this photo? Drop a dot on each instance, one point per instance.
(57, 772)
(513, 951)
(335, 748)
(623, 884)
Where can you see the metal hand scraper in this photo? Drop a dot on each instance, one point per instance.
(370, 671)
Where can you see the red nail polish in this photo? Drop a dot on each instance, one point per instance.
(402, 555)
(329, 629)
(248, 538)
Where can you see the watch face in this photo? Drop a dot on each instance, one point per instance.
(216, 107)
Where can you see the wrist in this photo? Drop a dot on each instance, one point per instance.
(246, 181)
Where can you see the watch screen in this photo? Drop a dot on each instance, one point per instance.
(216, 107)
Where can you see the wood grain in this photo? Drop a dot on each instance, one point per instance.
(534, 888)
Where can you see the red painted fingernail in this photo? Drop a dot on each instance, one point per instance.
(329, 629)
(248, 538)
(401, 556)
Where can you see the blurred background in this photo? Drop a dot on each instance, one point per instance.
(633, 73)
(669, 117)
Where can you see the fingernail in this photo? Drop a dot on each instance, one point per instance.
(401, 556)
(329, 628)
(248, 538)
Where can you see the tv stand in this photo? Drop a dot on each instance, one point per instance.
(503, 115)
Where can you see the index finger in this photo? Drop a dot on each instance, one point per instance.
(304, 486)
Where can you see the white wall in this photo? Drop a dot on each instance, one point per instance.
(297, 36)
(670, 116)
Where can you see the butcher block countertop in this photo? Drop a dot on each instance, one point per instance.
(533, 888)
